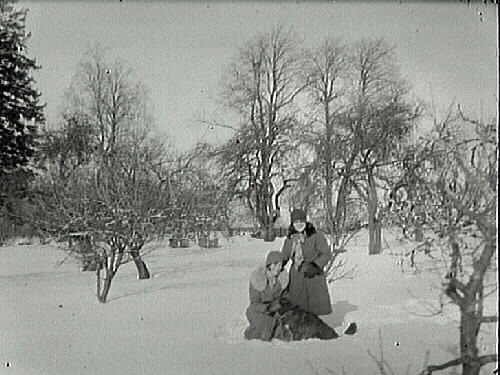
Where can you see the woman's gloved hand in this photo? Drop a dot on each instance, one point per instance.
(274, 306)
(311, 270)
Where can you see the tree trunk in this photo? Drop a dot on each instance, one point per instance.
(471, 310)
(330, 221)
(375, 235)
(111, 264)
(374, 223)
(142, 269)
(98, 282)
(341, 203)
(266, 227)
(340, 210)
(102, 295)
(267, 201)
(419, 234)
(265, 220)
(327, 159)
(469, 327)
(269, 234)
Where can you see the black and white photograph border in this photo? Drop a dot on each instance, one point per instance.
(265, 187)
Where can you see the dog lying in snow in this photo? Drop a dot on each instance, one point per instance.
(295, 324)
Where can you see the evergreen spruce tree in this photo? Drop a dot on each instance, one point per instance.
(20, 109)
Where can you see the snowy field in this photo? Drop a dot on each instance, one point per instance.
(189, 318)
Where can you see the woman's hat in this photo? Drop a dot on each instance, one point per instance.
(298, 214)
(274, 257)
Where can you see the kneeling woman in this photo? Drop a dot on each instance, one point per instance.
(267, 286)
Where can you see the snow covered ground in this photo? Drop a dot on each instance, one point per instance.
(189, 318)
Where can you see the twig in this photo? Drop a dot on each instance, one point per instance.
(61, 262)
(346, 274)
(219, 125)
(383, 366)
(430, 369)
(331, 372)
(489, 319)
(432, 310)
(481, 361)
(312, 367)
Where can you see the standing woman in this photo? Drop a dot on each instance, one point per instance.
(309, 253)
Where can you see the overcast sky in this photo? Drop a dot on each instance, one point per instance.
(180, 49)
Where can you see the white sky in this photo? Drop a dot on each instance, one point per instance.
(180, 49)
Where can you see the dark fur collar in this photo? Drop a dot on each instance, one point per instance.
(309, 231)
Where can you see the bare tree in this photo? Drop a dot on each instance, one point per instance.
(362, 111)
(380, 117)
(116, 107)
(262, 89)
(101, 179)
(70, 146)
(326, 67)
(201, 195)
(105, 91)
(327, 70)
(118, 212)
(452, 183)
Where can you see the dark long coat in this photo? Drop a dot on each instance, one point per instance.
(310, 294)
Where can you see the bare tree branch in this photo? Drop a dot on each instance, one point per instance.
(489, 319)
(481, 361)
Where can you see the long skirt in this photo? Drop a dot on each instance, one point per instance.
(310, 294)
